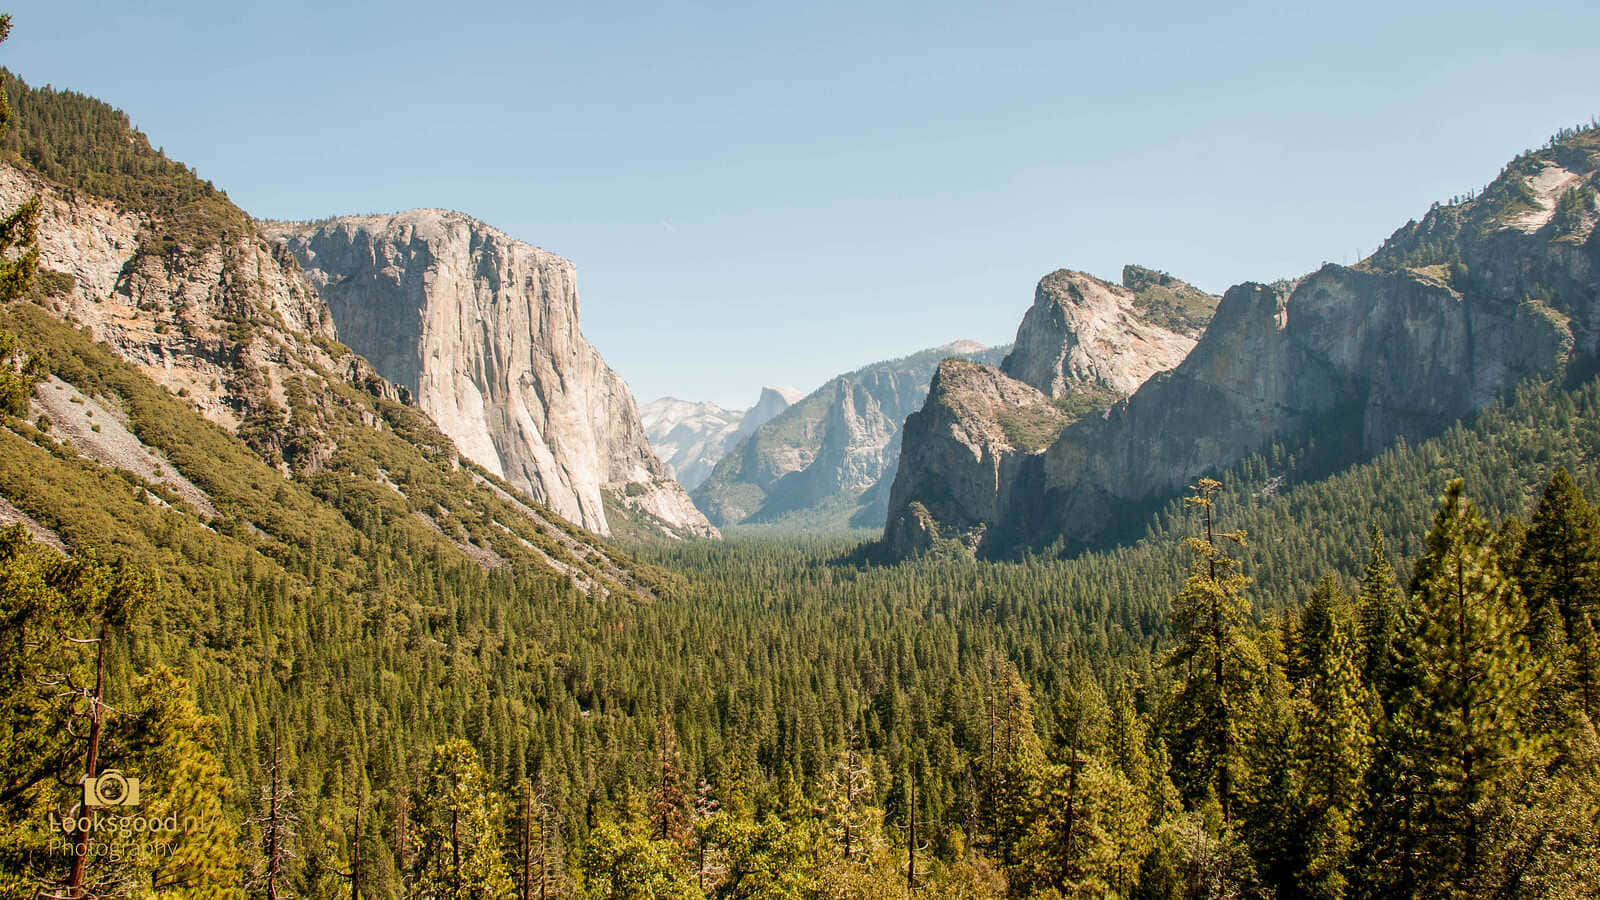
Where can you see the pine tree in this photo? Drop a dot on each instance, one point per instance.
(1560, 577)
(185, 784)
(1010, 767)
(19, 231)
(1462, 738)
(1217, 658)
(1385, 626)
(669, 805)
(846, 803)
(459, 844)
(1335, 740)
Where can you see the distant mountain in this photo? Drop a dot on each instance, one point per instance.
(825, 463)
(691, 437)
(483, 330)
(1452, 312)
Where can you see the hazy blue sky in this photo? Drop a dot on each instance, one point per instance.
(776, 195)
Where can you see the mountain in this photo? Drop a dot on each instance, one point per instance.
(1083, 331)
(825, 463)
(483, 330)
(198, 412)
(1447, 316)
(691, 437)
(968, 464)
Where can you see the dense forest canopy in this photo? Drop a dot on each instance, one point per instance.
(1380, 683)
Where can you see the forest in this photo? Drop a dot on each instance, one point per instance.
(1361, 686)
(1378, 682)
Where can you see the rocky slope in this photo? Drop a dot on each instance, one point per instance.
(1453, 311)
(483, 330)
(826, 462)
(189, 357)
(1081, 330)
(971, 462)
(222, 322)
(691, 437)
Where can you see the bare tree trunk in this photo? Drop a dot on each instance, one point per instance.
(91, 764)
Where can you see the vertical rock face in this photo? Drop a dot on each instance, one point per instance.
(692, 437)
(966, 459)
(826, 462)
(1084, 330)
(1450, 313)
(483, 329)
(971, 466)
(771, 404)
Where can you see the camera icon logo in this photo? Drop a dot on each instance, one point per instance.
(110, 788)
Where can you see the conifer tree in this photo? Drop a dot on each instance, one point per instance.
(1461, 738)
(669, 805)
(1385, 625)
(1010, 766)
(1335, 741)
(1560, 577)
(846, 803)
(1217, 659)
(19, 249)
(459, 844)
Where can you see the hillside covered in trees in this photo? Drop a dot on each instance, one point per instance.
(373, 671)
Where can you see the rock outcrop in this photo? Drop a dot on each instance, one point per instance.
(482, 329)
(826, 462)
(971, 468)
(1451, 312)
(1084, 330)
(222, 319)
(963, 458)
(692, 437)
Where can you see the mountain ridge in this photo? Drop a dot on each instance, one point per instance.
(1451, 312)
(825, 462)
(484, 329)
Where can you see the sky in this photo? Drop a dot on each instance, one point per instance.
(776, 193)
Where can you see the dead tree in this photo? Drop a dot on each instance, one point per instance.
(278, 823)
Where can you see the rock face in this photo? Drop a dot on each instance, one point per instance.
(223, 321)
(1449, 314)
(772, 402)
(961, 463)
(1083, 330)
(826, 462)
(972, 463)
(691, 437)
(483, 330)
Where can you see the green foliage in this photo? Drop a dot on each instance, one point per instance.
(619, 861)
(58, 614)
(1032, 428)
(19, 375)
(84, 144)
(1165, 301)
(1220, 663)
(457, 827)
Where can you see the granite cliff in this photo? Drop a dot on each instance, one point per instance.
(188, 356)
(971, 461)
(1449, 314)
(482, 329)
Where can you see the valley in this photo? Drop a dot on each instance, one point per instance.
(341, 541)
